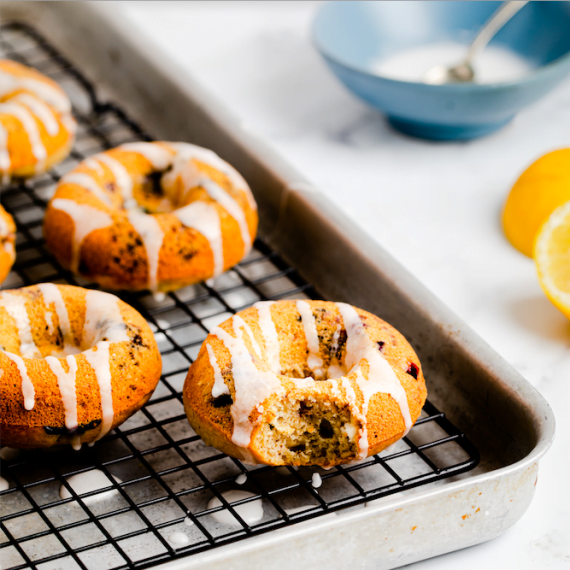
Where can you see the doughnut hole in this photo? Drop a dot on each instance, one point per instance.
(162, 191)
(50, 337)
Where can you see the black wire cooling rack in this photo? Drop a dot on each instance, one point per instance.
(161, 476)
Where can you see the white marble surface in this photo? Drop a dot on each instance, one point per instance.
(434, 206)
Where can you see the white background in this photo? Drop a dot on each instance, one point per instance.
(435, 206)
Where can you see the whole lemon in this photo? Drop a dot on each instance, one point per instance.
(541, 188)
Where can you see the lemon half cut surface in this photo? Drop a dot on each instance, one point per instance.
(552, 257)
(540, 189)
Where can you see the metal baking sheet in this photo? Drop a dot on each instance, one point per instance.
(157, 448)
(505, 417)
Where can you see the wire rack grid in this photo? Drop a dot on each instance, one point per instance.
(161, 476)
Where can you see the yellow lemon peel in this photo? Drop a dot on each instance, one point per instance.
(552, 257)
(541, 188)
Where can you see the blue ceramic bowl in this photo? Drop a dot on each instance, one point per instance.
(351, 36)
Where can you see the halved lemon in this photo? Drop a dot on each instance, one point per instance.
(552, 257)
(540, 189)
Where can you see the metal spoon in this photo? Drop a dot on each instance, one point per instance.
(463, 72)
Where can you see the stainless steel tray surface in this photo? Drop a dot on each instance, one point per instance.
(160, 474)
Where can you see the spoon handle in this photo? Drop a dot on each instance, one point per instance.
(493, 25)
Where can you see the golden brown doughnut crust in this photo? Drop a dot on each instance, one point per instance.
(20, 139)
(7, 243)
(116, 256)
(212, 418)
(135, 367)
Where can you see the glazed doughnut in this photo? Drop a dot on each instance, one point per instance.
(74, 364)
(303, 383)
(155, 216)
(7, 243)
(36, 125)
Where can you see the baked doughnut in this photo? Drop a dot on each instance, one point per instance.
(74, 364)
(155, 216)
(7, 243)
(36, 125)
(303, 383)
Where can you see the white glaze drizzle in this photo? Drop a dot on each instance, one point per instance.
(52, 294)
(381, 376)
(270, 336)
(99, 359)
(159, 156)
(152, 236)
(250, 512)
(94, 165)
(359, 414)
(335, 338)
(88, 183)
(304, 383)
(122, 178)
(241, 478)
(86, 220)
(103, 320)
(50, 94)
(314, 361)
(5, 161)
(3, 484)
(66, 383)
(205, 218)
(49, 321)
(192, 177)
(3, 227)
(15, 306)
(28, 389)
(238, 323)
(251, 386)
(69, 123)
(335, 390)
(223, 198)
(351, 430)
(5, 233)
(187, 152)
(41, 110)
(335, 370)
(29, 125)
(183, 168)
(9, 249)
(220, 387)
